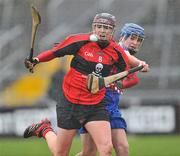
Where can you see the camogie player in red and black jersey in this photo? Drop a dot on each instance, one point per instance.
(96, 53)
(131, 39)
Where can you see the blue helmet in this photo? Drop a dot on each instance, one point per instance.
(132, 28)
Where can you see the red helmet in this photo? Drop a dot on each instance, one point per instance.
(105, 18)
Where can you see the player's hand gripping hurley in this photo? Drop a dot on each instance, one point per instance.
(36, 20)
(94, 83)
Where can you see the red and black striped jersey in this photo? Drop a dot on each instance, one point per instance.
(89, 57)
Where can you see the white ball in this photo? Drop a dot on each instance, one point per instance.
(93, 38)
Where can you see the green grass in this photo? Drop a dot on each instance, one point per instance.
(163, 145)
(30, 147)
(159, 145)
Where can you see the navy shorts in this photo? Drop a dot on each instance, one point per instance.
(74, 116)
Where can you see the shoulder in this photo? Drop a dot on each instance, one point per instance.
(78, 37)
(73, 39)
(116, 46)
(119, 50)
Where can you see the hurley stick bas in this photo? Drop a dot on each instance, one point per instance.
(36, 20)
(94, 83)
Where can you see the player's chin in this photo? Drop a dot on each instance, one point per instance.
(131, 48)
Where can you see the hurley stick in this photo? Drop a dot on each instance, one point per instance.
(36, 20)
(94, 83)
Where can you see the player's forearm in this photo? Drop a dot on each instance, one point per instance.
(45, 56)
(133, 61)
(130, 82)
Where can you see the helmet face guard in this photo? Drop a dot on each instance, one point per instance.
(133, 31)
(139, 39)
(103, 26)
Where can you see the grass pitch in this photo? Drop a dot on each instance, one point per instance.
(158, 145)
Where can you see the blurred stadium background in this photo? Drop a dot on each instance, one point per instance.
(152, 107)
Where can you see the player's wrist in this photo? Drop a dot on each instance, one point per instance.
(35, 60)
(119, 84)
